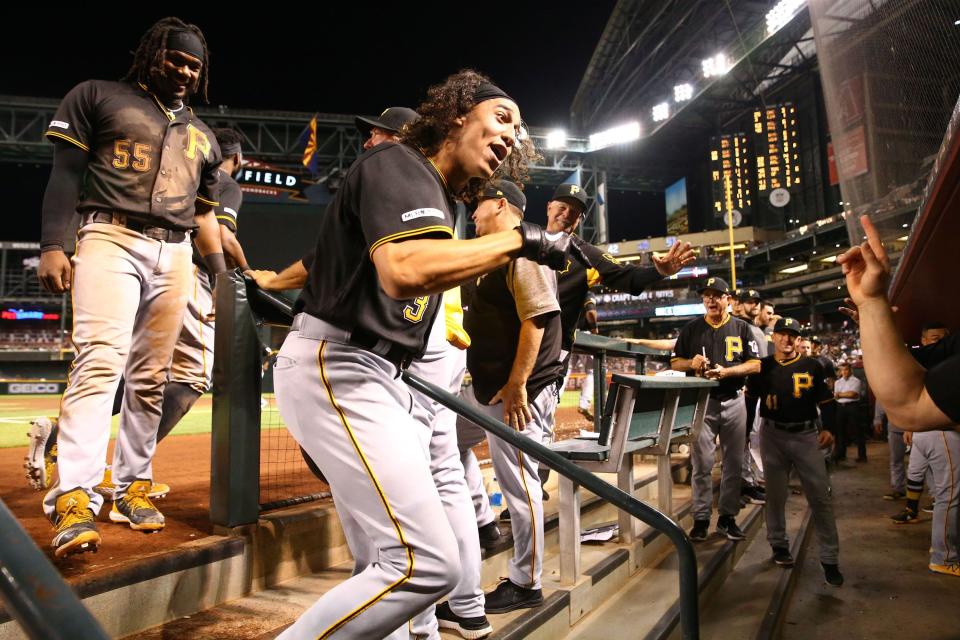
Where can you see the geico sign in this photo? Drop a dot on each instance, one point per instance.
(33, 387)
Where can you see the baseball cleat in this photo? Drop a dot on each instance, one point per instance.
(469, 628)
(946, 569)
(893, 495)
(509, 597)
(135, 509)
(41, 460)
(907, 516)
(728, 527)
(782, 557)
(700, 530)
(832, 575)
(76, 530)
(107, 488)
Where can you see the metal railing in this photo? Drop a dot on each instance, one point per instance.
(35, 595)
(689, 611)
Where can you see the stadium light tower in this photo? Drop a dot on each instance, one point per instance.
(661, 111)
(682, 92)
(715, 66)
(617, 135)
(782, 13)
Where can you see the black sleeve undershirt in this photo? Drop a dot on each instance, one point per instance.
(60, 197)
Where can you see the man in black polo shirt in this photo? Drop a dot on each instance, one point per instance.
(513, 319)
(719, 347)
(789, 387)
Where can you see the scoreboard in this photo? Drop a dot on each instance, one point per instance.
(776, 147)
(730, 173)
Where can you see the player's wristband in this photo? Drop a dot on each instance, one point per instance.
(215, 263)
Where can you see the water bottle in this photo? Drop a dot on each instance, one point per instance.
(494, 493)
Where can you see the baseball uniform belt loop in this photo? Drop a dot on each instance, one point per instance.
(315, 328)
(122, 220)
(794, 427)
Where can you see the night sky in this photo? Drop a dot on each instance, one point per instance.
(334, 59)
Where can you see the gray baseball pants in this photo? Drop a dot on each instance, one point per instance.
(941, 450)
(898, 451)
(350, 412)
(445, 365)
(517, 475)
(129, 293)
(783, 451)
(726, 420)
(193, 354)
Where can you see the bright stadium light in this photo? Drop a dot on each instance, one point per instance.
(715, 66)
(782, 13)
(557, 139)
(617, 135)
(661, 111)
(682, 92)
(796, 269)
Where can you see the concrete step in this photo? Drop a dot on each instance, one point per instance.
(751, 604)
(264, 613)
(647, 605)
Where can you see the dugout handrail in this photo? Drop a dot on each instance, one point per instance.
(34, 593)
(689, 611)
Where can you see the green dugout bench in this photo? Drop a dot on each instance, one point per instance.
(641, 415)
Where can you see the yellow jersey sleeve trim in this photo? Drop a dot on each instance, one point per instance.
(675, 358)
(409, 234)
(228, 219)
(752, 360)
(212, 203)
(74, 141)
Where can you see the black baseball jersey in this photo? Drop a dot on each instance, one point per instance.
(390, 193)
(727, 344)
(496, 304)
(575, 279)
(229, 201)
(942, 360)
(144, 159)
(758, 336)
(829, 371)
(789, 391)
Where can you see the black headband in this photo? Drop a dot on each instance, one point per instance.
(230, 149)
(185, 41)
(488, 91)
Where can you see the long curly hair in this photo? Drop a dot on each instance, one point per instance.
(451, 100)
(149, 53)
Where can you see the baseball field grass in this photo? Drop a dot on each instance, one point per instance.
(17, 411)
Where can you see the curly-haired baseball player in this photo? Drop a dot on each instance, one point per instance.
(383, 252)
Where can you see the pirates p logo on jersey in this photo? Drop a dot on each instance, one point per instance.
(196, 140)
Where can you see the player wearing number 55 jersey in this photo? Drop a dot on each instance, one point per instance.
(720, 347)
(140, 169)
(789, 387)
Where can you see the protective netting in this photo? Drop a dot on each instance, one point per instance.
(891, 79)
(284, 476)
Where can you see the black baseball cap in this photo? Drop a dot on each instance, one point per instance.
(392, 119)
(505, 189)
(787, 325)
(716, 284)
(748, 294)
(816, 340)
(571, 192)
